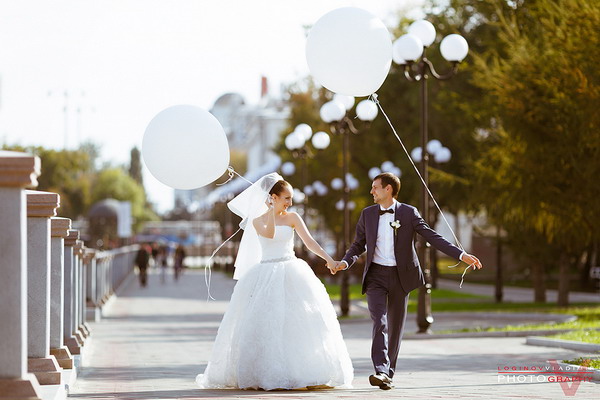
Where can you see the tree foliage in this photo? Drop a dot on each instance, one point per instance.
(519, 117)
(135, 166)
(115, 183)
(74, 176)
(544, 90)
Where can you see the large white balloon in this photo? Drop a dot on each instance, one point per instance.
(349, 51)
(185, 147)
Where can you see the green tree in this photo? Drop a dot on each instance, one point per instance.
(544, 89)
(135, 166)
(67, 173)
(115, 183)
(519, 118)
(455, 114)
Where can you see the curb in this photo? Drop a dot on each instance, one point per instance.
(497, 334)
(564, 344)
(465, 335)
(577, 370)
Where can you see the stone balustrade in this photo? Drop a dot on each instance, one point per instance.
(51, 285)
(41, 206)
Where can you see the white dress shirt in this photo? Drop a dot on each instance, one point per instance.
(384, 246)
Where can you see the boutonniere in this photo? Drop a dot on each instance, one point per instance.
(395, 225)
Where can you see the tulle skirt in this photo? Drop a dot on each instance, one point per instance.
(280, 331)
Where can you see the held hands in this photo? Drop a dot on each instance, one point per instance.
(471, 260)
(335, 266)
(331, 264)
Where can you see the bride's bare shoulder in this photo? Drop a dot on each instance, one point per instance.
(291, 218)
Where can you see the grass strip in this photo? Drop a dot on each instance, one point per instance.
(589, 362)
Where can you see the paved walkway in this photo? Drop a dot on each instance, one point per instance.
(154, 341)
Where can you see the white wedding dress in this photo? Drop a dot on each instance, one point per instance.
(280, 330)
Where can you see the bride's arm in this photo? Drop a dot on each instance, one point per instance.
(308, 240)
(266, 229)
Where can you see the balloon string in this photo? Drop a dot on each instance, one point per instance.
(373, 97)
(462, 278)
(208, 270)
(232, 172)
(208, 275)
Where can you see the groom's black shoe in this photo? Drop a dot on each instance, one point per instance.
(382, 380)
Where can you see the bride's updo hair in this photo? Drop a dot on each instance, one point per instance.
(278, 187)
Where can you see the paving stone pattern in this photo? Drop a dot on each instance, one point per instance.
(154, 340)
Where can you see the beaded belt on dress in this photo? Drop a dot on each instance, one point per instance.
(272, 260)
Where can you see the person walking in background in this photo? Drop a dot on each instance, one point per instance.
(178, 262)
(141, 260)
(155, 251)
(163, 255)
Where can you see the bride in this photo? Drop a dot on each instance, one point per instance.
(280, 330)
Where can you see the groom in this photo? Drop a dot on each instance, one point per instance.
(392, 268)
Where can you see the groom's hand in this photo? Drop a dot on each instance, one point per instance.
(340, 266)
(471, 260)
(332, 267)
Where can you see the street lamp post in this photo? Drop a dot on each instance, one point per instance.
(318, 189)
(335, 114)
(296, 143)
(441, 155)
(409, 51)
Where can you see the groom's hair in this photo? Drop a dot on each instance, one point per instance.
(388, 178)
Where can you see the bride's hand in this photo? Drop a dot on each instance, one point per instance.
(269, 202)
(331, 265)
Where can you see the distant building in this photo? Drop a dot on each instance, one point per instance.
(109, 222)
(251, 129)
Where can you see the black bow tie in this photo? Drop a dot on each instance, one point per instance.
(381, 212)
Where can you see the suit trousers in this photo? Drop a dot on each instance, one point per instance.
(387, 305)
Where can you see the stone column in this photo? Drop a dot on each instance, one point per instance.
(100, 282)
(92, 287)
(104, 273)
(60, 230)
(70, 292)
(40, 207)
(17, 171)
(80, 332)
(75, 295)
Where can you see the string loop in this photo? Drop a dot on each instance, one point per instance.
(208, 275)
(231, 172)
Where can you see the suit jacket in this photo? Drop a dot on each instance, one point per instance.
(407, 262)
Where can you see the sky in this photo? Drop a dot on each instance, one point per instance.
(120, 62)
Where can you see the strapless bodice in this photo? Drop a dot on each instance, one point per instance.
(280, 247)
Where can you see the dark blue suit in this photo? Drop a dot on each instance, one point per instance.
(387, 288)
